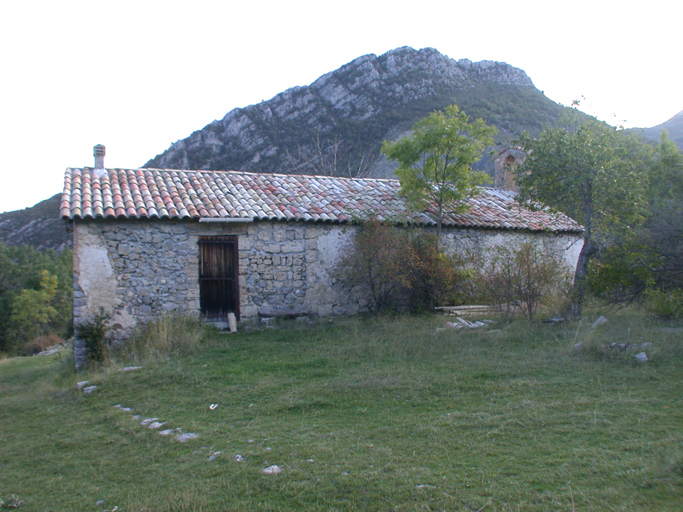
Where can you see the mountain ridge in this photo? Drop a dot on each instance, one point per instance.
(673, 126)
(365, 101)
(336, 125)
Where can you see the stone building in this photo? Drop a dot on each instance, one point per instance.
(148, 242)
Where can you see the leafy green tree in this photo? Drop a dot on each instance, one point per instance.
(649, 258)
(435, 162)
(595, 174)
(21, 269)
(33, 310)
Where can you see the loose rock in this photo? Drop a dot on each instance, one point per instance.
(272, 470)
(600, 321)
(186, 437)
(642, 357)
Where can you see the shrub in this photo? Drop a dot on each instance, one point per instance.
(402, 268)
(430, 275)
(375, 260)
(665, 303)
(37, 345)
(523, 277)
(95, 333)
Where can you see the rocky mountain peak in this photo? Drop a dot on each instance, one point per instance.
(349, 112)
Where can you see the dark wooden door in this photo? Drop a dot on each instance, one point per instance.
(218, 277)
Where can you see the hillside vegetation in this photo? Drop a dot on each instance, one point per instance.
(38, 226)
(359, 414)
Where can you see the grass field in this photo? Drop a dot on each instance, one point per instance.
(359, 414)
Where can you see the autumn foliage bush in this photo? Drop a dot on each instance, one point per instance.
(524, 277)
(402, 268)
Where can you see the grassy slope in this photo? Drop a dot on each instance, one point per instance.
(364, 415)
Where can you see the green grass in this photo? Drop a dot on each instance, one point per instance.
(360, 414)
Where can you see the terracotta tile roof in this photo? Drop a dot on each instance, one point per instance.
(154, 193)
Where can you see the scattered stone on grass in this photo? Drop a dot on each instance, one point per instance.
(272, 470)
(642, 357)
(146, 422)
(600, 321)
(238, 458)
(620, 347)
(49, 351)
(131, 368)
(425, 486)
(89, 389)
(554, 320)
(461, 323)
(82, 384)
(186, 436)
(156, 424)
(214, 455)
(167, 432)
(127, 409)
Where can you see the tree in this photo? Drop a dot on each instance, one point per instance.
(32, 310)
(593, 173)
(21, 272)
(651, 257)
(435, 162)
(327, 156)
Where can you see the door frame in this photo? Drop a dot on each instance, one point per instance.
(227, 241)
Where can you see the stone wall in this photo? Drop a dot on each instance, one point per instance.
(566, 245)
(137, 270)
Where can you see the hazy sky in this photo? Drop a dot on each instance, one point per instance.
(139, 75)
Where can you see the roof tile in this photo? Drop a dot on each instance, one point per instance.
(154, 193)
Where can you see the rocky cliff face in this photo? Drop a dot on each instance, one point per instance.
(336, 124)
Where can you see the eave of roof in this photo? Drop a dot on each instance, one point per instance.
(173, 194)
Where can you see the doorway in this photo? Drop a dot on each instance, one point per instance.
(218, 277)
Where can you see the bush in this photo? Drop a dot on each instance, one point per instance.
(95, 333)
(523, 278)
(431, 276)
(401, 268)
(41, 343)
(665, 303)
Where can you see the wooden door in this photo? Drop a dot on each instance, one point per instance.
(218, 277)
